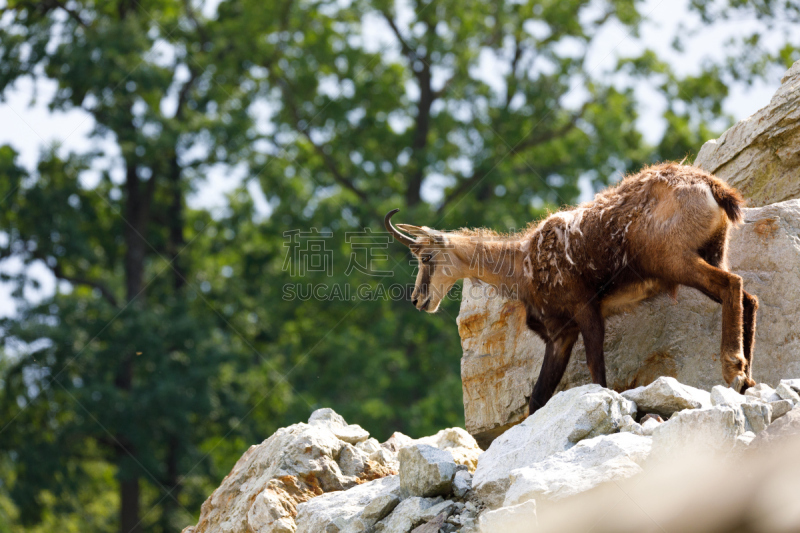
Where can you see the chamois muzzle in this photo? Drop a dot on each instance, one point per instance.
(387, 222)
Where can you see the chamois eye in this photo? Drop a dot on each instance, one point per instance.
(426, 258)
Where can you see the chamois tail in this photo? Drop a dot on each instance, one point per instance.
(729, 199)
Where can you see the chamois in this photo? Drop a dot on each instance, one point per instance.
(663, 227)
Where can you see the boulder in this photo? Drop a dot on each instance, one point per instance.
(502, 357)
(426, 471)
(413, 512)
(569, 417)
(726, 396)
(780, 408)
(584, 466)
(433, 526)
(697, 431)
(297, 463)
(461, 445)
(760, 155)
(349, 511)
(666, 395)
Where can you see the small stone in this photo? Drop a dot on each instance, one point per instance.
(629, 425)
(369, 446)
(425, 470)
(462, 483)
(726, 396)
(759, 415)
(351, 434)
(763, 392)
(699, 431)
(432, 526)
(397, 441)
(780, 408)
(649, 426)
(793, 384)
(380, 507)
(408, 515)
(787, 393)
(384, 457)
(651, 416)
(351, 460)
(326, 417)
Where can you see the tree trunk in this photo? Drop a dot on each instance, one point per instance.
(129, 506)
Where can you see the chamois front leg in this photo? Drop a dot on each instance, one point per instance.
(592, 326)
(556, 357)
(727, 288)
(750, 305)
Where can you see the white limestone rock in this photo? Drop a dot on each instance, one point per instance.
(787, 393)
(520, 518)
(369, 446)
(650, 425)
(584, 466)
(763, 392)
(721, 395)
(426, 470)
(629, 425)
(758, 414)
(780, 408)
(569, 417)
(344, 510)
(760, 155)
(411, 513)
(461, 445)
(794, 384)
(700, 431)
(462, 483)
(297, 463)
(666, 395)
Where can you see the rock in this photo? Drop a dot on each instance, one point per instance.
(787, 393)
(369, 446)
(780, 408)
(794, 384)
(629, 425)
(651, 416)
(352, 434)
(760, 155)
(584, 466)
(759, 415)
(763, 392)
(297, 463)
(700, 431)
(569, 417)
(784, 430)
(666, 395)
(461, 445)
(515, 519)
(650, 425)
(411, 513)
(502, 357)
(744, 440)
(344, 510)
(425, 470)
(462, 483)
(397, 441)
(726, 396)
(433, 526)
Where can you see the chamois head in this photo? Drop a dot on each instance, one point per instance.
(438, 266)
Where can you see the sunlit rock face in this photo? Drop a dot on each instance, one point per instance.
(760, 155)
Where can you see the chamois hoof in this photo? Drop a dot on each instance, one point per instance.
(741, 383)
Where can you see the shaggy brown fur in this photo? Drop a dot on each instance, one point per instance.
(663, 227)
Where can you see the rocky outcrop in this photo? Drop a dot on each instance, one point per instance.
(661, 337)
(568, 418)
(760, 155)
(311, 478)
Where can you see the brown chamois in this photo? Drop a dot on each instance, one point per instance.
(663, 227)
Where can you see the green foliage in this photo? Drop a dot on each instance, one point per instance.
(176, 339)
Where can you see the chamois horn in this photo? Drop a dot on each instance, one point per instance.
(387, 222)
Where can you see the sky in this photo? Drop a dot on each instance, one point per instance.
(29, 126)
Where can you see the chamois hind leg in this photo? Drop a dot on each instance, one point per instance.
(556, 357)
(723, 286)
(592, 326)
(750, 305)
